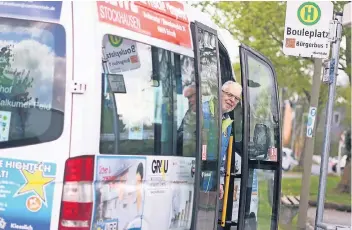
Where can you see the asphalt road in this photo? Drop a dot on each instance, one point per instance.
(315, 171)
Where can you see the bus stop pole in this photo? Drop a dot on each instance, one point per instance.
(309, 149)
(335, 35)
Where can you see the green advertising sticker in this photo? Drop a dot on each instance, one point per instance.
(115, 41)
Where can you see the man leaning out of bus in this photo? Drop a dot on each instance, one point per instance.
(230, 96)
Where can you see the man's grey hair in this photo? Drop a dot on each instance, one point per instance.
(228, 84)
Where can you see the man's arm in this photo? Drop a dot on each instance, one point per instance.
(180, 131)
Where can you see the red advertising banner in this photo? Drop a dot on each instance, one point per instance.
(163, 20)
(169, 8)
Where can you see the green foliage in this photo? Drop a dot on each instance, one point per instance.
(345, 92)
(261, 25)
(264, 207)
(5, 58)
(345, 52)
(21, 82)
(264, 32)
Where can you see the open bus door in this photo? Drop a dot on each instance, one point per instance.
(207, 74)
(249, 204)
(256, 148)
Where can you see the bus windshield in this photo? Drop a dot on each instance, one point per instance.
(148, 100)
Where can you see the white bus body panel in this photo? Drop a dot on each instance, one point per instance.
(56, 151)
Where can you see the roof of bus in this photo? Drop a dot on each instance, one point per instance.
(195, 14)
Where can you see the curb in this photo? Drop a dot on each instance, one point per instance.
(337, 207)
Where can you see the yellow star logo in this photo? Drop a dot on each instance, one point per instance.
(35, 182)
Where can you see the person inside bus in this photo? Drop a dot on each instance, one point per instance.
(186, 134)
(230, 96)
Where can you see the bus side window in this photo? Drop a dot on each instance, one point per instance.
(263, 103)
(156, 112)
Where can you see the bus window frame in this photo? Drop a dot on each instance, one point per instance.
(247, 164)
(227, 64)
(195, 37)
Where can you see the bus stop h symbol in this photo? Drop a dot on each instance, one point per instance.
(309, 13)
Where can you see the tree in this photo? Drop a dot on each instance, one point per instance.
(345, 65)
(345, 184)
(265, 32)
(261, 26)
(21, 82)
(5, 58)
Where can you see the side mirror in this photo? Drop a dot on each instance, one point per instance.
(261, 142)
(253, 84)
(261, 139)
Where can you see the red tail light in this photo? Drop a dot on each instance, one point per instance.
(77, 196)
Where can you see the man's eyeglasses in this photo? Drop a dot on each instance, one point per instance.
(231, 95)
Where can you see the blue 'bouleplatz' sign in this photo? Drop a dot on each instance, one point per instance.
(32, 9)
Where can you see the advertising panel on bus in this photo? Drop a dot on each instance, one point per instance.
(26, 187)
(166, 21)
(129, 190)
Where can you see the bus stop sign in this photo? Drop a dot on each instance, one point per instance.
(307, 29)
